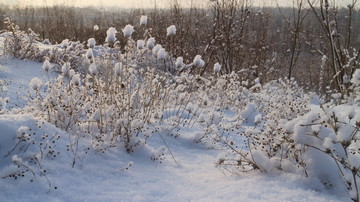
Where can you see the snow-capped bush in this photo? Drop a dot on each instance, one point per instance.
(128, 30)
(156, 49)
(283, 131)
(20, 44)
(171, 30)
(35, 84)
(93, 69)
(179, 62)
(111, 35)
(75, 79)
(47, 42)
(91, 43)
(65, 43)
(140, 44)
(46, 65)
(143, 20)
(89, 54)
(161, 54)
(150, 43)
(16, 160)
(198, 61)
(217, 67)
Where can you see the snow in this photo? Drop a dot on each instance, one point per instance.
(46, 65)
(65, 43)
(118, 68)
(91, 43)
(140, 44)
(171, 30)
(179, 63)
(35, 83)
(195, 178)
(75, 79)
(143, 20)
(198, 61)
(92, 69)
(108, 177)
(184, 170)
(150, 43)
(65, 69)
(161, 54)
(156, 49)
(217, 67)
(111, 35)
(19, 74)
(128, 30)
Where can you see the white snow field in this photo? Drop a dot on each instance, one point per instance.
(116, 175)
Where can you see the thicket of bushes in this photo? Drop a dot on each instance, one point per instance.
(272, 43)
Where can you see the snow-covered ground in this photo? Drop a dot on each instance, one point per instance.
(118, 176)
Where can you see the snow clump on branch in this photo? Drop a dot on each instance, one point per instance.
(35, 83)
(150, 43)
(143, 20)
(140, 44)
(91, 43)
(128, 30)
(171, 30)
(161, 54)
(217, 67)
(46, 65)
(198, 62)
(111, 35)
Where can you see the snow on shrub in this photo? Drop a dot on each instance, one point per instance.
(128, 30)
(46, 65)
(272, 127)
(21, 44)
(198, 61)
(91, 43)
(143, 20)
(283, 131)
(35, 84)
(161, 54)
(92, 69)
(140, 44)
(47, 42)
(179, 62)
(150, 43)
(65, 43)
(171, 30)
(65, 69)
(356, 78)
(75, 79)
(217, 67)
(329, 136)
(89, 54)
(111, 35)
(156, 49)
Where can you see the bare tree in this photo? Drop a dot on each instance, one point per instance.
(295, 23)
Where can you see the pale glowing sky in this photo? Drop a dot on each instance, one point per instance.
(142, 3)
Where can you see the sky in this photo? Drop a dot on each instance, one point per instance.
(142, 3)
